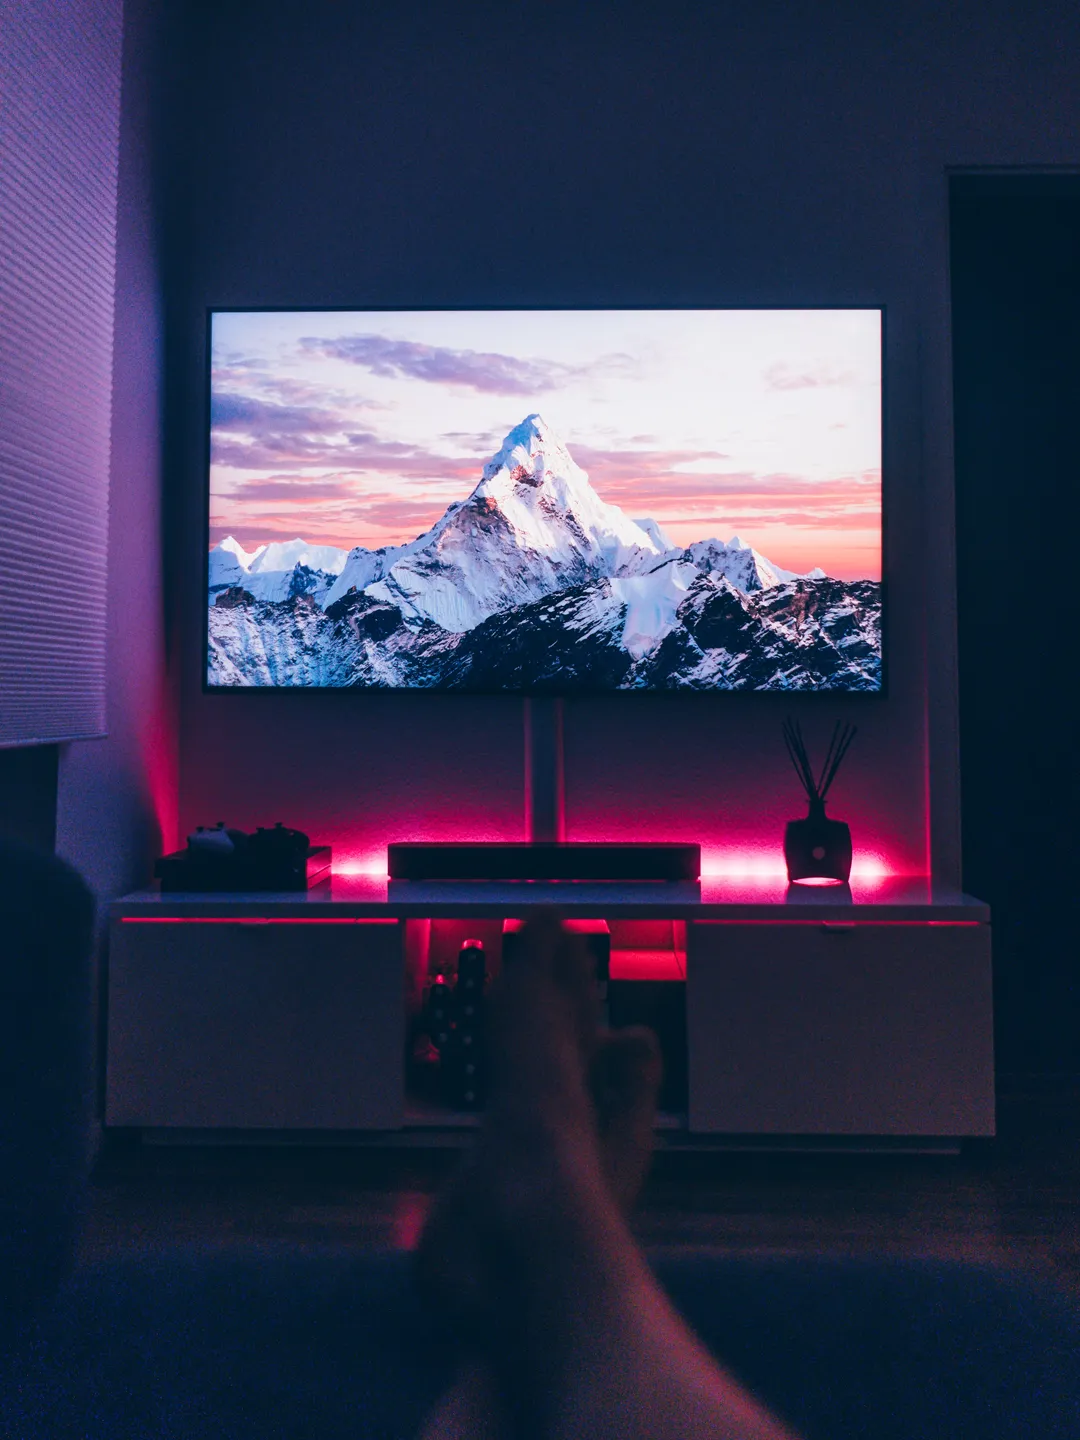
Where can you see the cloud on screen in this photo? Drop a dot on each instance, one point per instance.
(486, 372)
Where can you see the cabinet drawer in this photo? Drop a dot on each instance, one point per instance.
(825, 1029)
(249, 1024)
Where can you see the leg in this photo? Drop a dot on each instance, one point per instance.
(472, 1409)
(578, 1337)
(624, 1081)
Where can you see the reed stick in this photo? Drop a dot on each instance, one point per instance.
(840, 743)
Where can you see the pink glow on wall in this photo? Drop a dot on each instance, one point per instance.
(872, 867)
(746, 864)
(369, 863)
(767, 864)
(743, 839)
(159, 756)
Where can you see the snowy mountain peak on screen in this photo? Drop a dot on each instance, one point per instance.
(276, 571)
(534, 445)
(541, 489)
(532, 526)
(229, 562)
(659, 535)
(746, 568)
(287, 554)
(230, 555)
(244, 558)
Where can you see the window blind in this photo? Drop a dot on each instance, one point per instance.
(59, 144)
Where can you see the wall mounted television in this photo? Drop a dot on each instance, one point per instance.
(545, 501)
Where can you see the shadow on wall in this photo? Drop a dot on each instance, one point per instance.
(28, 796)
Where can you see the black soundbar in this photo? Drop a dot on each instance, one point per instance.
(572, 860)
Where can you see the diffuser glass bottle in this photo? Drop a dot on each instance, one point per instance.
(817, 850)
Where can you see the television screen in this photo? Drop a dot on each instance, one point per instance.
(555, 501)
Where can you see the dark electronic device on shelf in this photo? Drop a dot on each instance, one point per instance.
(278, 842)
(219, 861)
(467, 1069)
(454, 1018)
(570, 860)
(439, 1004)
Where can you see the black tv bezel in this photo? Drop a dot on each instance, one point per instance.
(557, 693)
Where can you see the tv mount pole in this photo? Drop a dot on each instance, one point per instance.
(545, 818)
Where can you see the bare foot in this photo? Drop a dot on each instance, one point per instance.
(568, 1106)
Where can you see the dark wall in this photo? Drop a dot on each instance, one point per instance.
(742, 154)
(116, 801)
(1016, 345)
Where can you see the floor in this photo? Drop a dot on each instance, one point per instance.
(1014, 1200)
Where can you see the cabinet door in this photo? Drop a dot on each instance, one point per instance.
(810, 1029)
(282, 1025)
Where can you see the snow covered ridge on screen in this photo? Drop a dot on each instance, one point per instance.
(535, 583)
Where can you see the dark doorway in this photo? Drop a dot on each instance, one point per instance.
(1015, 256)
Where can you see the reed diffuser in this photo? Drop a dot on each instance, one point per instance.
(817, 849)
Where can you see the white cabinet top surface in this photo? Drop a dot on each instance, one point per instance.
(359, 897)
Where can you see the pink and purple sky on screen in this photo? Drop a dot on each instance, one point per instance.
(360, 427)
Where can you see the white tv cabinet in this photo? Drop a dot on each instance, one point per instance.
(812, 1018)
